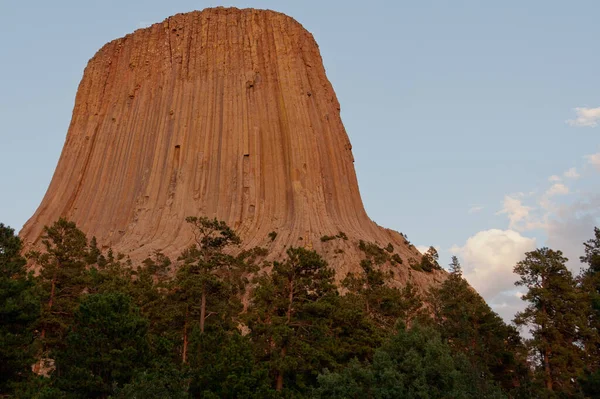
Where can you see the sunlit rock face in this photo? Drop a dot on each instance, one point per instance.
(226, 113)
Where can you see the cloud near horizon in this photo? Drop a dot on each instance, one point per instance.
(561, 217)
(585, 117)
(488, 259)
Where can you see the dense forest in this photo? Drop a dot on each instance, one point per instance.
(81, 322)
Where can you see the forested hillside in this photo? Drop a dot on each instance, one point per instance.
(80, 322)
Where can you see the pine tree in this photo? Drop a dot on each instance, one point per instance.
(474, 330)
(429, 261)
(19, 309)
(554, 318)
(290, 317)
(382, 302)
(62, 277)
(227, 367)
(105, 347)
(411, 304)
(354, 334)
(589, 284)
(108, 273)
(205, 264)
(207, 278)
(167, 382)
(413, 363)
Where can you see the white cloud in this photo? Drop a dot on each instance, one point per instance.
(548, 206)
(524, 217)
(572, 225)
(489, 257)
(424, 248)
(585, 117)
(571, 174)
(594, 159)
(475, 208)
(563, 215)
(554, 178)
(516, 211)
(557, 189)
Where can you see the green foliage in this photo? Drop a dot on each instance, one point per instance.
(40, 388)
(290, 318)
(411, 305)
(429, 261)
(19, 309)
(473, 330)
(160, 383)
(163, 329)
(212, 235)
(340, 235)
(223, 365)
(373, 253)
(414, 363)
(63, 278)
(590, 384)
(106, 345)
(273, 235)
(589, 287)
(208, 276)
(554, 317)
(383, 303)
(414, 265)
(354, 334)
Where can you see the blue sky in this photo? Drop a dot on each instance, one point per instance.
(466, 117)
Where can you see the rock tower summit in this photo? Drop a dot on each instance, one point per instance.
(226, 113)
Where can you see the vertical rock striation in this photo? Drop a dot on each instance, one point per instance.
(226, 113)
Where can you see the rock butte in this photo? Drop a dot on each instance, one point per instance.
(226, 113)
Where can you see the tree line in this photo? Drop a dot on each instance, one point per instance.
(91, 324)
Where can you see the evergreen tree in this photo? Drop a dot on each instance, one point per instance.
(108, 273)
(554, 318)
(411, 304)
(105, 346)
(589, 284)
(168, 382)
(429, 261)
(207, 278)
(63, 277)
(354, 334)
(19, 309)
(227, 367)
(205, 264)
(414, 363)
(474, 330)
(290, 318)
(382, 302)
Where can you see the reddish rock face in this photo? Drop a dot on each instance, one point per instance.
(226, 113)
